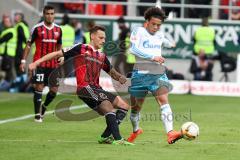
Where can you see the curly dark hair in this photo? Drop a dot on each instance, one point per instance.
(154, 12)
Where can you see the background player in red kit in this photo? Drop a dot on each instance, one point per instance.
(47, 37)
(88, 62)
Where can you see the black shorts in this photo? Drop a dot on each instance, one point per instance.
(94, 96)
(48, 76)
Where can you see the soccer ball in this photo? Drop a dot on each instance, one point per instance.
(190, 130)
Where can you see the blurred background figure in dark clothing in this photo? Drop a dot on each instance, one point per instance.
(22, 37)
(121, 59)
(201, 67)
(8, 44)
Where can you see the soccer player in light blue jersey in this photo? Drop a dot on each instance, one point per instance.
(149, 72)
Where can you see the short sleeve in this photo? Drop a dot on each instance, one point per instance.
(59, 41)
(107, 65)
(33, 35)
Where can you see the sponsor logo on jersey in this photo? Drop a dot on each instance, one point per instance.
(50, 40)
(94, 60)
(147, 44)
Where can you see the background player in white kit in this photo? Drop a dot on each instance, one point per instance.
(149, 72)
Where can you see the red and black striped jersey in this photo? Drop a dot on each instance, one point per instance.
(88, 63)
(46, 40)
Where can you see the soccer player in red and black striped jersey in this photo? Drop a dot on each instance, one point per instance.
(88, 62)
(47, 37)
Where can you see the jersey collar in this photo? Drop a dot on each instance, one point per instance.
(49, 28)
(92, 48)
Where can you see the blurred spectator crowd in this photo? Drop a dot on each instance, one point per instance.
(118, 9)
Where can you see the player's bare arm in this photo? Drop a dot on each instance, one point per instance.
(159, 59)
(47, 57)
(25, 55)
(173, 45)
(117, 76)
(61, 59)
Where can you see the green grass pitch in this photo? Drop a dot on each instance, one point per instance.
(55, 139)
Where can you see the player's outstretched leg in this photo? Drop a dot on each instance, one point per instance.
(135, 118)
(112, 125)
(106, 136)
(49, 98)
(167, 119)
(37, 99)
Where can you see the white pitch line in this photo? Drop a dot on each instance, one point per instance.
(32, 115)
(48, 112)
(138, 142)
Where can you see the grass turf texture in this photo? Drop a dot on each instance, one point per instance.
(217, 117)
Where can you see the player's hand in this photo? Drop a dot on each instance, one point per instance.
(32, 66)
(159, 59)
(122, 79)
(22, 67)
(173, 45)
(61, 60)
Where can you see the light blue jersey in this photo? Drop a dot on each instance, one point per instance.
(147, 74)
(145, 45)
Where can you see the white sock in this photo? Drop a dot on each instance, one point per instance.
(167, 117)
(135, 118)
